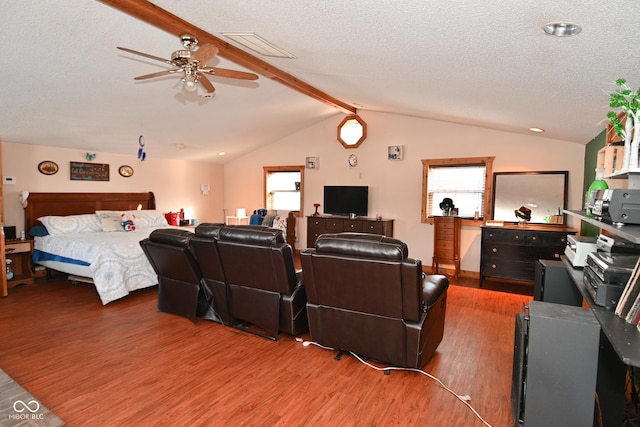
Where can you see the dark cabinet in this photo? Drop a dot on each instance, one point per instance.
(510, 252)
(317, 225)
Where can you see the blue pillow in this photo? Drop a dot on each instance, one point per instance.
(39, 231)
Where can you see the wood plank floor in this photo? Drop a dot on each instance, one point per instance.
(127, 364)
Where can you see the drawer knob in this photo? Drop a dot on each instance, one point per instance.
(534, 238)
(517, 237)
(493, 266)
(494, 250)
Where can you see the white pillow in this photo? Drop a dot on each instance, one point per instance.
(86, 223)
(149, 218)
(110, 220)
(280, 222)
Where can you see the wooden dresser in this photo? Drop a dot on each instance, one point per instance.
(446, 245)
(511, 251)
(317, 225)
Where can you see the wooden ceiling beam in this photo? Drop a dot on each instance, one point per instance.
(158, 17)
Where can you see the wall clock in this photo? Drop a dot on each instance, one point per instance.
(48, 167)
(125, 170)
(353, 160)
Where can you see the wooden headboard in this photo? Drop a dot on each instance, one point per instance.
(61, 204)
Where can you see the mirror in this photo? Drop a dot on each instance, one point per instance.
(352, 131)
(544, 193)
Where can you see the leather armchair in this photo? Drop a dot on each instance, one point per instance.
(179, 291)
(205, 248)
(264, 289)
(365, 295)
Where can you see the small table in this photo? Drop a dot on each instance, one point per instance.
(237, 220)
(20, 253)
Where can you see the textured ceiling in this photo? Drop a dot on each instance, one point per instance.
(63, 83)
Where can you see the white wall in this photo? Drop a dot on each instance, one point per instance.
(175, 183)
(395, 186)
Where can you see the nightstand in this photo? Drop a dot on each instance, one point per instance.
(20, 252)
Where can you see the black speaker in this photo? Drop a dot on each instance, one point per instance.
(555, 366)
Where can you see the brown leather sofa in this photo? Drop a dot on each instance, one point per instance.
(256, 278)
(179, 290)
(205, 248)
(366, 296)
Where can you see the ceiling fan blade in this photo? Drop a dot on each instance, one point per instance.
(206, 83)
(146, 55)
(205, 53)
(234, 74)
(158, 74)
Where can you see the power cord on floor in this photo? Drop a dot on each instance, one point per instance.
(464, 399)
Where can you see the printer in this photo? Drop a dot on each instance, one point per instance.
(578, 247)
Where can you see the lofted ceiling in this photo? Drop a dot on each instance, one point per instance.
(63, 83)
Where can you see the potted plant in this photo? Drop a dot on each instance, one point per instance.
(627, 101)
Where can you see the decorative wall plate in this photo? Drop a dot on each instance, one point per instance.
(125, 170)
(48, 167)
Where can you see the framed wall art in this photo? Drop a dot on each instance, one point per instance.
(396, 152)
(48, 167)
(81, 171)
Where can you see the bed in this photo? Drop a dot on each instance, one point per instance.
(71, 238)
(76, 244)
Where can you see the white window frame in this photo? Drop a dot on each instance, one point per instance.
(273, 169)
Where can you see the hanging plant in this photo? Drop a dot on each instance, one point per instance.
(627, 101)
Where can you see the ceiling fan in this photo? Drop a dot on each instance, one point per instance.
(191, 65)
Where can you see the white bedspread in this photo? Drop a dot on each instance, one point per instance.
(116, 259)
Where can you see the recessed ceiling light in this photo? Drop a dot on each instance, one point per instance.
(222, 153)
(561, 29)
(537, 130)
(258, 44)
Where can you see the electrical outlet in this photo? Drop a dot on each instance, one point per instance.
(9, 180)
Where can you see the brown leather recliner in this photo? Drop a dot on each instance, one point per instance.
(179, 290)
(205, 248)
(263, 287)
(366, 296)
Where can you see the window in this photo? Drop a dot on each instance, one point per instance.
(466, 181)
(284, 188)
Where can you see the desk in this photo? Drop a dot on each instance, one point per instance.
(237, 220)
(619, 348)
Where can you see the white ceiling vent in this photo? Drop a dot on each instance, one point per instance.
(258, 44)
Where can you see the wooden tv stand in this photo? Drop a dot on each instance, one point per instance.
(317, 225)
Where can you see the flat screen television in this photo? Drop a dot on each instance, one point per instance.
(346, 200)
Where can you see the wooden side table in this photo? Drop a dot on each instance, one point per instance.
(446, 247)
(20, 253)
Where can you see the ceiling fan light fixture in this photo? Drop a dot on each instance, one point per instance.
(190, 83)
(562, 29)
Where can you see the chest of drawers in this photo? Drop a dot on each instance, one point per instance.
(510, 252)
(446, 245)
(317, 225)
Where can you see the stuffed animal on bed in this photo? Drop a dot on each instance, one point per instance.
(127, 222)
